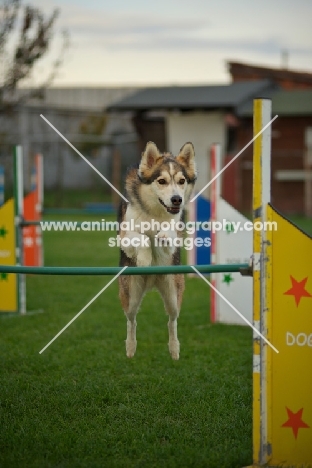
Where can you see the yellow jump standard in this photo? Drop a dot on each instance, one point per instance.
(282, 283)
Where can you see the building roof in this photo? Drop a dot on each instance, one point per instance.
(288, 79)
(191, 97)
(287, 103)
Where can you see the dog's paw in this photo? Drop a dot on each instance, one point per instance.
(132, 242)
(144, 257)
(166, 235)
(174, 349)
(129, 251)
(165, 240)
(130, 348)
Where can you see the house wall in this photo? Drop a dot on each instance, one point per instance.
(202, 129)
(288, 151)
(150, 129)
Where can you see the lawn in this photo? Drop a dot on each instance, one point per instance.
(70, 198)
(82, 403)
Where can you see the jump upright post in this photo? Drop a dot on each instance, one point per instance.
(18, 217)
(282, 308)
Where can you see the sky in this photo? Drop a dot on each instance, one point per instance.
(172, 42)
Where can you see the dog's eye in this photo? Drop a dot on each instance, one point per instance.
(161, 181)
(181, 181)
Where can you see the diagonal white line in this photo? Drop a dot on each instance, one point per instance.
(82, 156)
(235, 157)
(82, 310)
(235, 310)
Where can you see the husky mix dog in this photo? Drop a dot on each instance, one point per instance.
(157, 190)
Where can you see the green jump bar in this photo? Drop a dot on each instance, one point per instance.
(29, 223)
(99, 271)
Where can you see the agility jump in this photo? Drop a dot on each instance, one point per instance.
(282, 305)
(20, 243)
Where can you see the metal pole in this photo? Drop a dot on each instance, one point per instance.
(19, 211)
(261, 198)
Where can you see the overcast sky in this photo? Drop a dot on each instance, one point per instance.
(139, 42)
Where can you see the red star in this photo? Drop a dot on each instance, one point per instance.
(298, 289)
(295, 421)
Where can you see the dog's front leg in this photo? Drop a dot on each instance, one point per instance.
(140, 247)
(144, 252)
(165, 239)
(137, 246)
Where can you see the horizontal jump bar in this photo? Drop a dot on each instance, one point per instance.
(152, 270)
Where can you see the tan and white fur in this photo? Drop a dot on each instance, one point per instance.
(159, 190)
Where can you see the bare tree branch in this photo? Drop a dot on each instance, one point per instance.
(8, 12)
(35, 36)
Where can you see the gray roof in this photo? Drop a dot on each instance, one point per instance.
(295, 102)
(192, 97)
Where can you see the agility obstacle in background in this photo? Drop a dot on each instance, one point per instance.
(33, 207)
(199, 211)
(12, 293)
(282, 308)
(227, 247)
(8, 281)
(18, 244)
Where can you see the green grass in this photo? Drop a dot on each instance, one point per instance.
(303, 223)
(82, 403)
(70, 198)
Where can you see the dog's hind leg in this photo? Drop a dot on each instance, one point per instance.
(131, 291)
(171, 289)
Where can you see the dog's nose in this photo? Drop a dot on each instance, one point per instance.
(176, 200)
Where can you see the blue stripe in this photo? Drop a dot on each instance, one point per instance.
(203, 213)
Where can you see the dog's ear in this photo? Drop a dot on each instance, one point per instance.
(150, 156)
(186, 157)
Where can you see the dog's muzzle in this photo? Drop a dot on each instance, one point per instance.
(176, 201)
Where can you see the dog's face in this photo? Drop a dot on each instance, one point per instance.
(170, 179)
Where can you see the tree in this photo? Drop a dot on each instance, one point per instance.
(34, 35)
